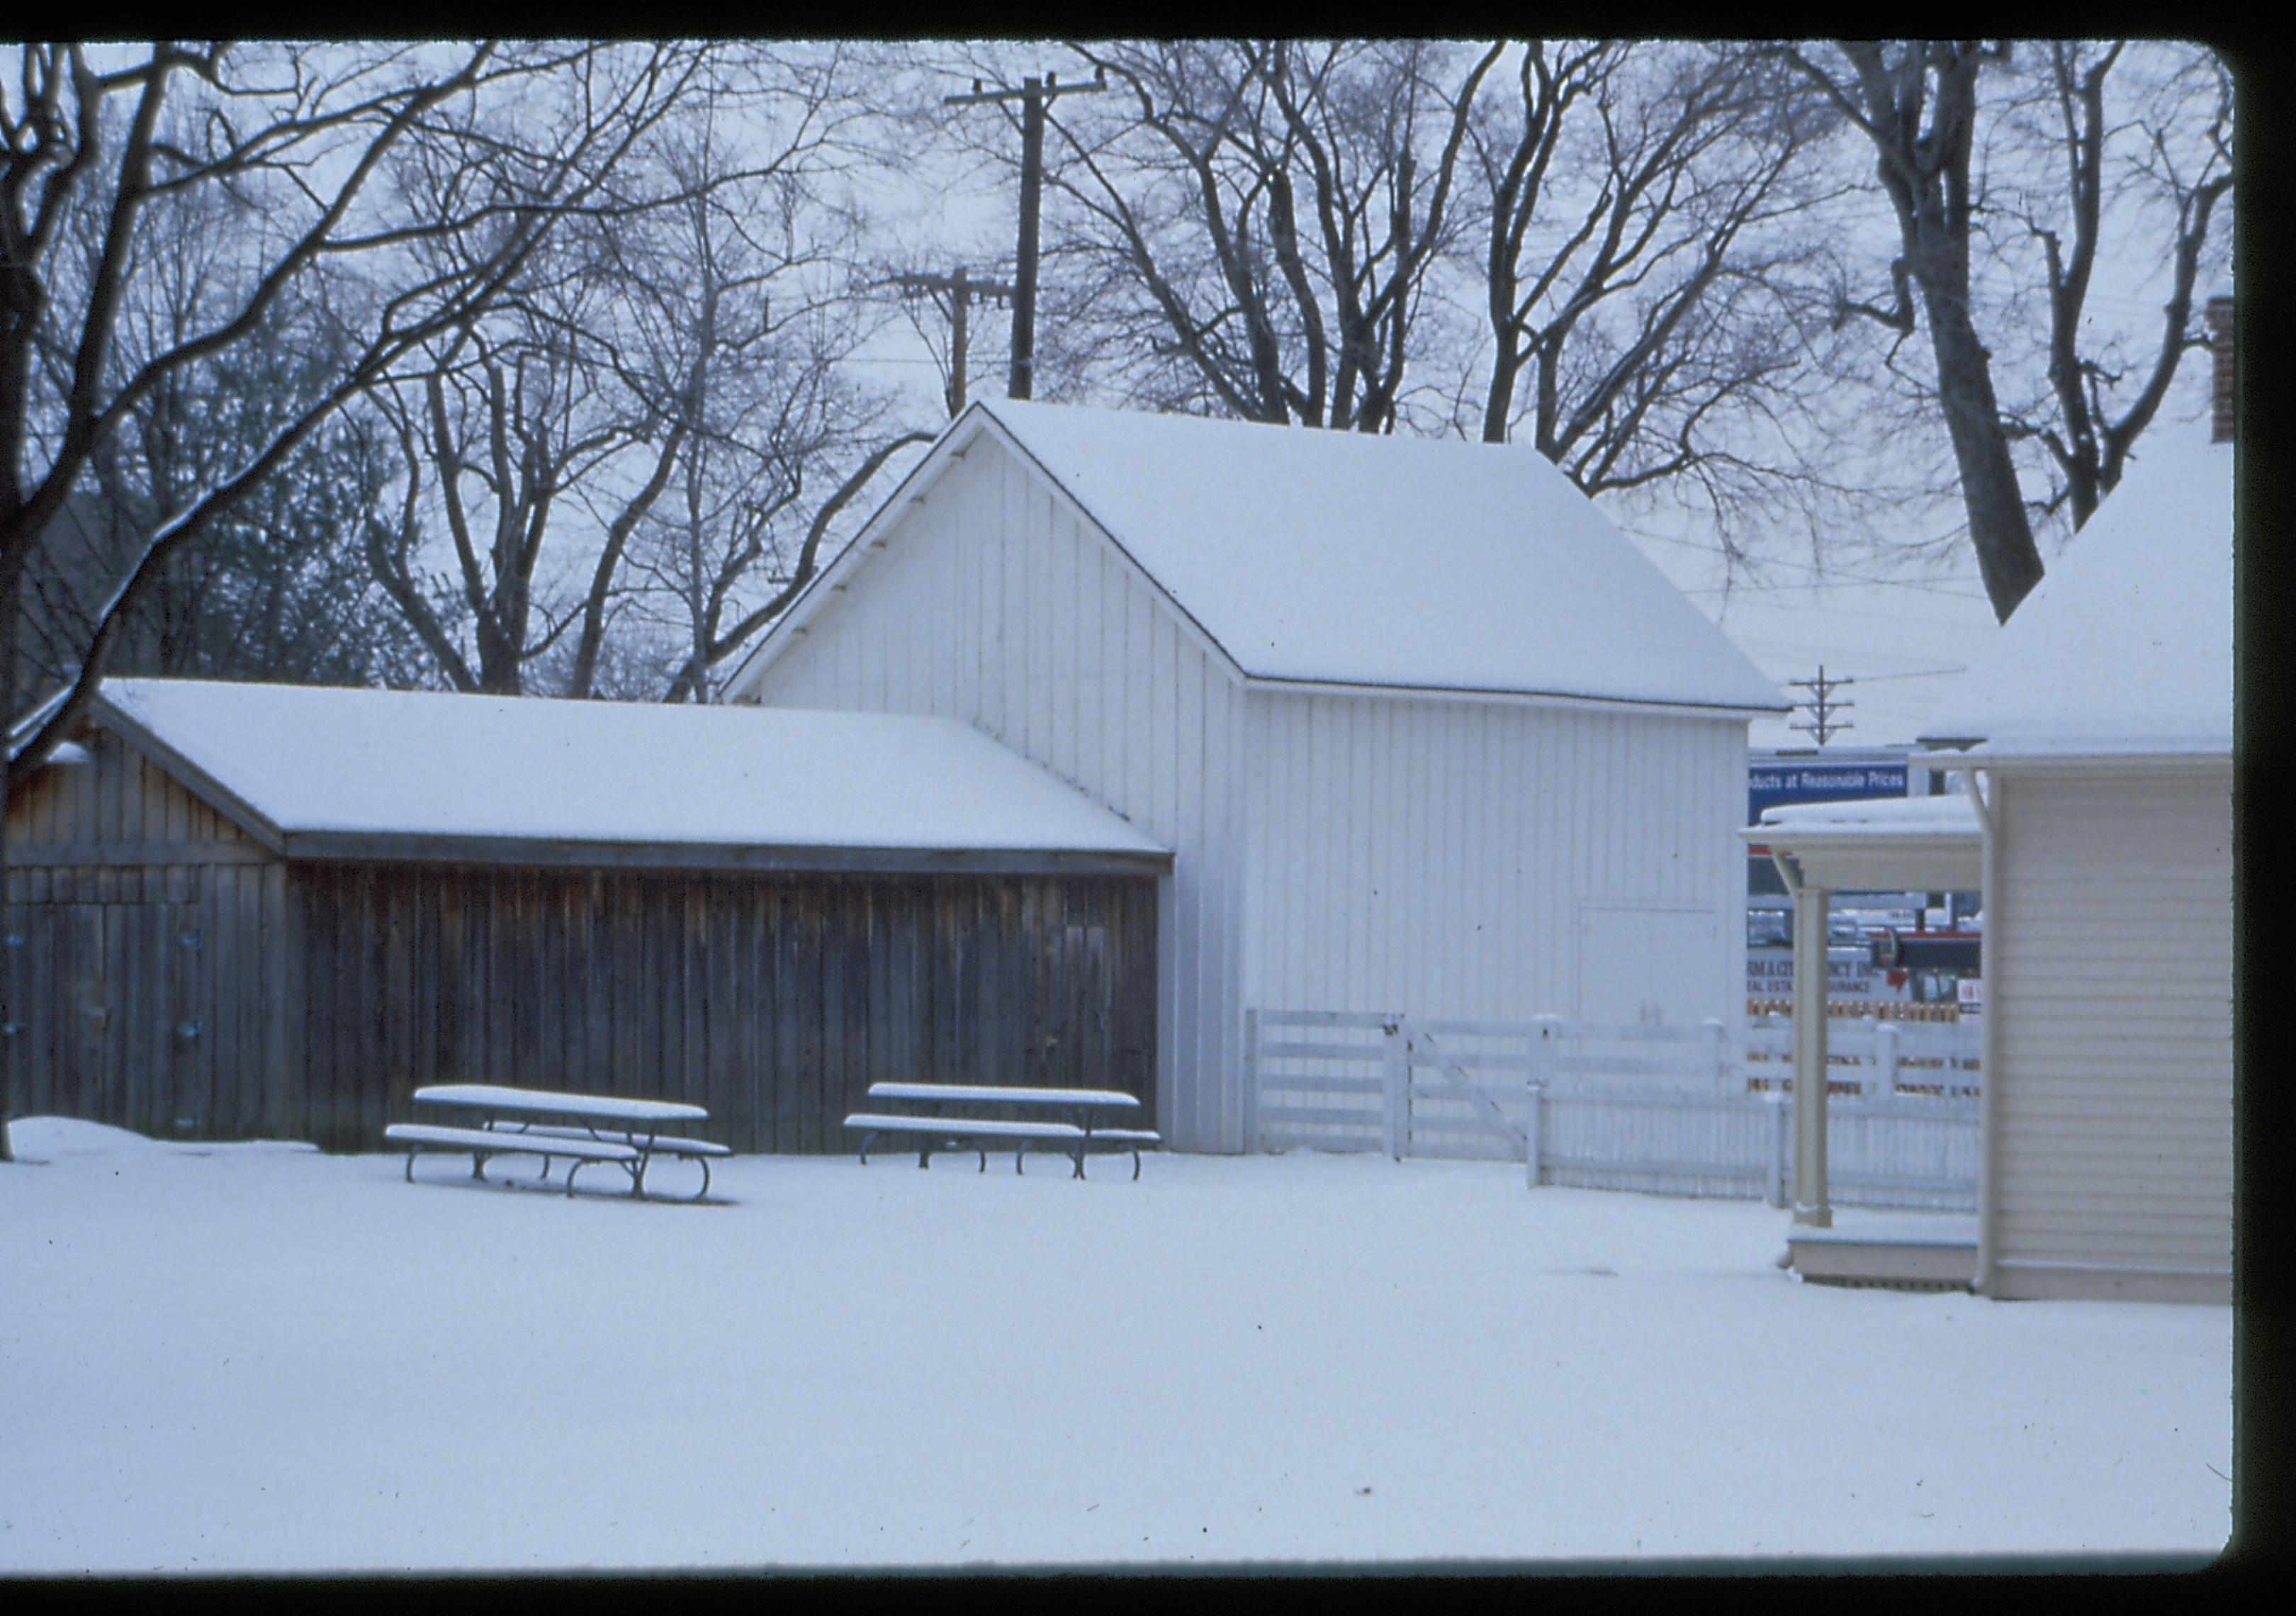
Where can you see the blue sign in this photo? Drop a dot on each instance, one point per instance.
(1814, 780)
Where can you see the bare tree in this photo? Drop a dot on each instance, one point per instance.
(622, 364)
(1650, 241)
(1923, 108)
(2088, 178)
(309, 141)
(513, 415)
(1259, 218)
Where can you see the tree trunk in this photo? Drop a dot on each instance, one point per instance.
(1998, 526)
(10, 594)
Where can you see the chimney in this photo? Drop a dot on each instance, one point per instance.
(2221, 348)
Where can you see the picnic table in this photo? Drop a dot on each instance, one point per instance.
(498, 1121)
(1076, 1120)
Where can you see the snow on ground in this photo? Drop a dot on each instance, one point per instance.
(257, 1357)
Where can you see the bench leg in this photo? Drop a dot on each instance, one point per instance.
(866, 1139)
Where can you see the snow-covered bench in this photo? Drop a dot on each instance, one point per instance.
(483, 1144)
(592, 1128)
(955, 1118)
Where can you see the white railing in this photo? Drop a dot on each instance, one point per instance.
(1675, 1110)
(1889, 1057)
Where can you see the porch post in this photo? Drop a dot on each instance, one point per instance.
(1812, 907)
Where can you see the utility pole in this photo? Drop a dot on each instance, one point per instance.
(1823, 707)
(1032, 94)
(952, 293)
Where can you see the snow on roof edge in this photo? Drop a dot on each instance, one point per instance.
(324, 763)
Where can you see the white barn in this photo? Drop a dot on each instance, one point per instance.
(1426, 733)
(2098, 729)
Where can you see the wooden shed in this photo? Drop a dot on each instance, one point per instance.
(1426, 733)
(2097, 732)
(245, 910)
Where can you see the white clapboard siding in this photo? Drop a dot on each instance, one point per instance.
(1473, 858)
(2109, 964)
(991, 604)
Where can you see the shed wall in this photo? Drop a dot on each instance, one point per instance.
(993, 604)
(2109, 952)
(774, 1001)
(144, 944)
(1495, 860)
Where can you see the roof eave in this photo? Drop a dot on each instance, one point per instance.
(409, 847)
(950, 448)
(1688, 708)
(154, 748)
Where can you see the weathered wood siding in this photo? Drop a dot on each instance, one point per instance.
(145, 954)
(775, 1001)
(1495, 860)
(168, 974)
(993, 602)
(2109, 947)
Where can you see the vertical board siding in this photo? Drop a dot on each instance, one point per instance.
(1435, 859)
(2109, 967)
(773, 1001)
(129, 933)
(1018, 619)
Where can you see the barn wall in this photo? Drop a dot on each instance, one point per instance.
(2109, 944)
(994, 604)
(143, 953)
(774, 1001)
(1495, 860)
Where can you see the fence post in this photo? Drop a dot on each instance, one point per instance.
(1395, 1082)
(1253, 1144)
(1781, 1144)
(1884, 1082)
(1535, 1128)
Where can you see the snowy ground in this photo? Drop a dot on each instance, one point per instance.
(256, 1356)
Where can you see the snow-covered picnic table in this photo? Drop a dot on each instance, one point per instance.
(583, 1128)
(1074, 1120)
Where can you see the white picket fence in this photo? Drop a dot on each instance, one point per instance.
(1683, 1111)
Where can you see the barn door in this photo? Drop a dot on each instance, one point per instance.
(105, 1002)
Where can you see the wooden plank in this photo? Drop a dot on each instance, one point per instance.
(288, 1070)
(884, 921)
(857, 902)
(794, 985)
(1296, 1082)
(827, 1093)
(944, 998)
(134, 855)
(689, 1079)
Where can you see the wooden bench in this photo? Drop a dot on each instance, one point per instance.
(955, 1116)
(581, 1128)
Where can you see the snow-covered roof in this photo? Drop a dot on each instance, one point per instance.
(319, 763)
(1950, 815)
(1879, 843)
(1336, 557)
(2124, 648)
